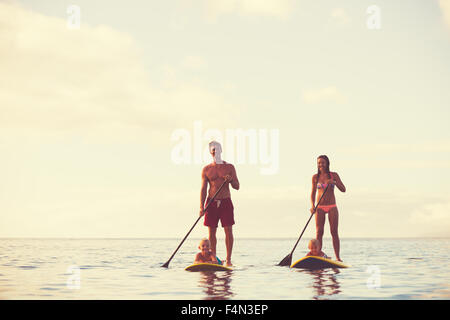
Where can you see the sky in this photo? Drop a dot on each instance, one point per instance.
(107, 107)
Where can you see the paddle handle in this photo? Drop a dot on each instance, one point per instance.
(196, 221)
(315, 208)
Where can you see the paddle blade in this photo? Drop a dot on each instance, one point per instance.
(286, 261)
(165, 265)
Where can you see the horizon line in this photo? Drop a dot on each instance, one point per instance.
(175, 238)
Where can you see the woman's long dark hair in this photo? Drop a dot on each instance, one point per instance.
(324, 157)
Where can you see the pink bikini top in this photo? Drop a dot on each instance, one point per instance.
(324, 185)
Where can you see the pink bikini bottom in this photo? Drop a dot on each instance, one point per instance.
(327, 208)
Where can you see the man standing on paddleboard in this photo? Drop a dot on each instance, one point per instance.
(222, 208)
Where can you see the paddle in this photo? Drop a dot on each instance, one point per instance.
(288, 259)
(166, 265)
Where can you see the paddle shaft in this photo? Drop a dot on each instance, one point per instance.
(315, 208)
(166, 265)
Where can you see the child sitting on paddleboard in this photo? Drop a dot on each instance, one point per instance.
(205, 255)
(313, 246)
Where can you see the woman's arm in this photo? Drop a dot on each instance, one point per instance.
(313, 192)
(339, 183)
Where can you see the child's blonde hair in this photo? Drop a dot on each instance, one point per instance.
(313, 242)
(205, 240)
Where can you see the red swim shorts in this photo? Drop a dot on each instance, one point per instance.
(219, 209)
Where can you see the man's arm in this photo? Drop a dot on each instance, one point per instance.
(234, 179)
(203, 191)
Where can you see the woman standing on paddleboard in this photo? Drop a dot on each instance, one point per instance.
(320, 181)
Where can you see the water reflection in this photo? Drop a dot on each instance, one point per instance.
(217, 285)
(325, 283)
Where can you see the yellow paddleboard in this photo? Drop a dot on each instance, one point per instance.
(312, 262)
(207, 267)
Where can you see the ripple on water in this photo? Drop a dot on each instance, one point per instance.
(27, 267)
(408, 269)
(87, 267)
(49, 289)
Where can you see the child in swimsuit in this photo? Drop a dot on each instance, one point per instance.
(313, 246)
(205, 255)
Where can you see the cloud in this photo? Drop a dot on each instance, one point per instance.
(418, 155)
(55, 77)
(90, 81)
(327, 94)
(432, 218)
(391, 213)
(193, 63)
(280, 9)
(433, 146)
(445, 7)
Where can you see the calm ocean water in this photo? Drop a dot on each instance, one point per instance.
(130, 269)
